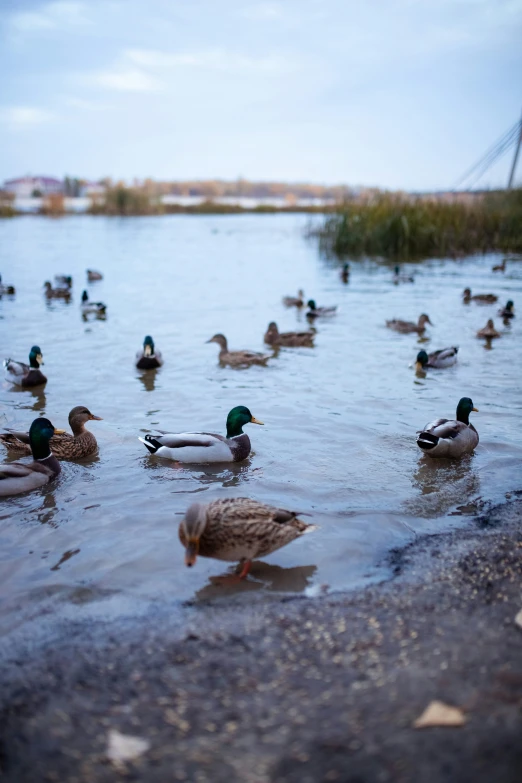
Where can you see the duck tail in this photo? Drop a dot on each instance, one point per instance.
(151, 443)
(426, 441)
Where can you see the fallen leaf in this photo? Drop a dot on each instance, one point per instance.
(125, 747)
(439, 714)
(518, 619)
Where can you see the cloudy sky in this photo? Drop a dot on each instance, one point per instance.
(395, 93)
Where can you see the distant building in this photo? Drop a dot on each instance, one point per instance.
(25, 187)
(91, 189)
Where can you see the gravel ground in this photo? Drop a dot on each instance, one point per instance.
(284, 690)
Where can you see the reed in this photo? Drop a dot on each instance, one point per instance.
(395, 226)
(121, 200)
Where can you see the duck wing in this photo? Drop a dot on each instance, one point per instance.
(181, 440)
(16, 369)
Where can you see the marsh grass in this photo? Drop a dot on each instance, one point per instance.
(398, 227)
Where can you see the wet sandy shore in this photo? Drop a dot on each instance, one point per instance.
(298, 689)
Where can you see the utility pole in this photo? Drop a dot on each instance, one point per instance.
(514, 164)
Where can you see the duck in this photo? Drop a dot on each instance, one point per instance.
(407, 327)
(80, 444)
(56, 293)
(446, 357)
(480, 298)
(18, 477)
(294, 301)
(237, 358)
(288, 339)
(450, 437)
(319, 312)
(499, 267)
(148, 358)
(26, 375)
(238, 530)
(93, 276)
(88, 307)
(6, 289)
(489, 331)
(401, 277)
(63, 281)
(508, 311)
(205, 447)
(345, 273)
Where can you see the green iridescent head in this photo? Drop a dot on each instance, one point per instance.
(311, 304)
(35, 357)
(422, 358)
(464, 408)
(40, 434)
(236, 420)
(148, 345)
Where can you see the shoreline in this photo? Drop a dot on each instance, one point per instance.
(294, 688)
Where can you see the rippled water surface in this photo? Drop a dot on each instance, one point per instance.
(340, 419)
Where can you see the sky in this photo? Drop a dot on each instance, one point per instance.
(400, 94)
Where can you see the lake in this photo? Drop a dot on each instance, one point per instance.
(340, 419)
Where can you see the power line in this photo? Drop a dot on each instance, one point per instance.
(498, 149)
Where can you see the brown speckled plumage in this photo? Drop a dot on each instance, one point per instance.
(64, 446)
(288, 339)
(237, 358)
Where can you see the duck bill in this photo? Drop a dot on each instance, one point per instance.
(253, 420)
(147, 351)
(191, 552)
(59, 432)
(39, 359)
(475, 409)
(418, 366)
(92, 417)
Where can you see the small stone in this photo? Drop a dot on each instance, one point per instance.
(125, 747)
(439, 714)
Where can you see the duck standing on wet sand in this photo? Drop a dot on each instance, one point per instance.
(18, 477)
(288, 339)
(238, 530)
(450, 437)
(206, 447)
(489, 331)
(294, 301)
(508, 311)
(480, 298)
(148, 358)
(26, 375)
(407, 327)
(319, 312)
(91, 308)
(237, 358)
(80, 444)
(446, 357)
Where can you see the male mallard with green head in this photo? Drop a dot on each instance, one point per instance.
(237, 358)
(408, 327)
(148, 358)
(401, 277)
(508, 311)
(91, 308)
(237, 530)
(345, 273)
(26, 375)
(446, 357)
(450, 437)
(80, 444)
(204, 447)
(18, 477)
(319, 312)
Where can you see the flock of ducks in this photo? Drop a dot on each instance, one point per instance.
(231, 529)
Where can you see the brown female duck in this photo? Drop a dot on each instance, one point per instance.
(81, 443)
(407, 327)
(489, 331)
(237, 358)
(480, 298)
(288, 339)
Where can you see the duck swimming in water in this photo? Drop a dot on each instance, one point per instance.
(80, 444)
(148, 358)
(237, 358)
(26, 375)
(446, 357)
(18, 477)
(450, 437)
(407, 327)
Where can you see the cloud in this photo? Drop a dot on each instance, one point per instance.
(127, 79)
(56, 15)
(211, 59)
(20, 117)
(263, 11)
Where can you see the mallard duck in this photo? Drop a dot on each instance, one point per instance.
(345, 273)
(26, 375)
(288, 339)
(480, 298)
(294, 301)
(18, 477)
(148, 358)
(238, 529)
(92, 275)
(446, 357)
(63, 281)
(81, 443)
(489, 331)
(6, 289)
(508, 311)
(407, 327)
(401, 277)
(204, 447)
(89, 308)
(237, 358)
(56, 293)
(319, 312)
(450, 437)
(500, 267)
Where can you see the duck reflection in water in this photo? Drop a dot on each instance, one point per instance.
(35, 399)
(231, 474)
(262, 576)
(148, 379)
(48, 510)
(443, 484)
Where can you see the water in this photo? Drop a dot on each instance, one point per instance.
(340, 420)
